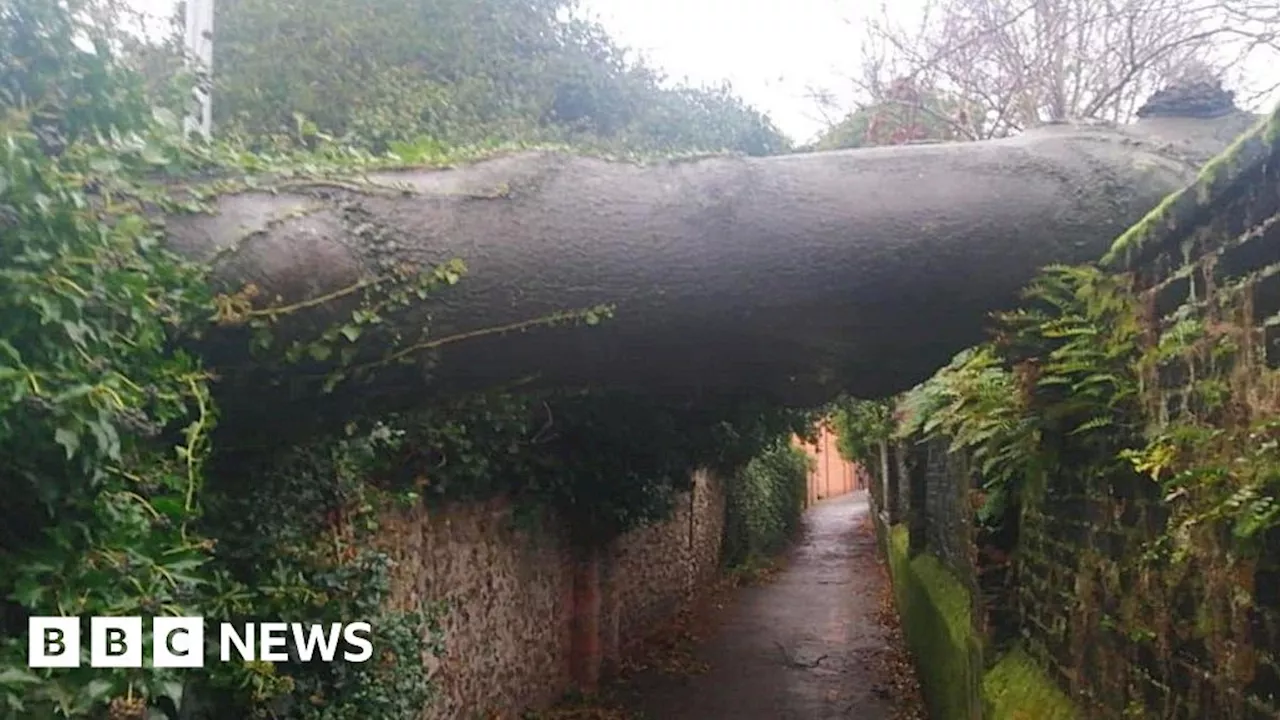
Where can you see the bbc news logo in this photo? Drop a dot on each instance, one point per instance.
(178, 642)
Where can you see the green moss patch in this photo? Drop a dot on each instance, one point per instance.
(934, 608)
(1215, 178)
(1017, 689)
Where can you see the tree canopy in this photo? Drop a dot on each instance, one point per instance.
(457, 72)
(116, 501)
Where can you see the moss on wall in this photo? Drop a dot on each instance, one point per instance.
(1172, 218)
(1016, 688)
(935, 611)
(934, 608)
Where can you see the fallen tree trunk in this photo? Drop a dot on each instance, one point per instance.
(797, 276)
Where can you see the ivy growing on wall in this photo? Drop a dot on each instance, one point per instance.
(122, 496)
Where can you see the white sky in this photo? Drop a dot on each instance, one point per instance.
(774, 52)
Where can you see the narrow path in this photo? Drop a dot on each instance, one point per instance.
(806, 646)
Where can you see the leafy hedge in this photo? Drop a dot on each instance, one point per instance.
(764, 503)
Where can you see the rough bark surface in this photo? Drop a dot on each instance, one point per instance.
(798, 275)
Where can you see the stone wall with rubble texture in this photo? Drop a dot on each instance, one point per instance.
(516, 594)
(657, 569)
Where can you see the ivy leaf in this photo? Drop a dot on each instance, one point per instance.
(105, 165)
(108, 439)
(76, 330)
(17, 676)
(351, 332)
(68, 439)
(96, 691)
(332, 381)
(172, 691)
(165, 118)
(153, 156)
(170, 507)
(28, 592)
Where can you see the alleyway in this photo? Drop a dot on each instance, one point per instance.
(805, 646)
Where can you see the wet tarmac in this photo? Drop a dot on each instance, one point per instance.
(805, 646)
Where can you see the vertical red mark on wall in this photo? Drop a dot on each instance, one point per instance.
(610, 613)
(585, 653)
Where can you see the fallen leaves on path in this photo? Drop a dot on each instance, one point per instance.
(590, 708)
(673, 649)
(898, 674)
(670, 651)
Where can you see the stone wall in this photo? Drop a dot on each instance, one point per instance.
(658, 569)
(527, 617)
(508, 600)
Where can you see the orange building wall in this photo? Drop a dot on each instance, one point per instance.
(831, 475)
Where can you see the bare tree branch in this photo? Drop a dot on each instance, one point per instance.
(1025, 62)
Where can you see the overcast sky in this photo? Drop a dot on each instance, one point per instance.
(774, 52)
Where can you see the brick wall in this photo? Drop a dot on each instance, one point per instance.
(1123, 634)
(948, 511)
(530, 618)
(1203, 640)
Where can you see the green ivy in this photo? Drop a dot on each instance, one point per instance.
(118, 499)
(296, 530)
(604, 461)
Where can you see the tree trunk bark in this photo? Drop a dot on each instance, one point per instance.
(797, 276)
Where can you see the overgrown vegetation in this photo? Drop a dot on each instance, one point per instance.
(1129, 428)
(765, 503)
(1073, 376)
(1058, 381)
(121, 501)
(380, 74)
(860, 426)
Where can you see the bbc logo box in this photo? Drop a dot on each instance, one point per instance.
(115, 642)
(178, 642)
